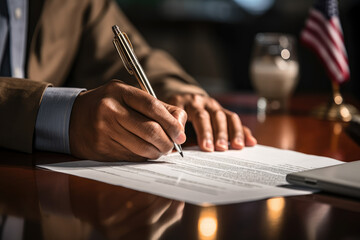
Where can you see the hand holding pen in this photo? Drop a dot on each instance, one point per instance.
(117, 122)
(132, 65)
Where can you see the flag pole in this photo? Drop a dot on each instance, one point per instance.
(323, 33)
(336, 109)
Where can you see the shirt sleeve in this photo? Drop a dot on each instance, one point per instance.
(53, 119)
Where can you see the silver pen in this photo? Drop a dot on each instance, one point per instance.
(132, 65)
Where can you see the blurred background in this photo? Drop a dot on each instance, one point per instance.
(213, 39)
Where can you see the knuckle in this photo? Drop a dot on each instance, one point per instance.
(198, 99)
(154, 129)
(234, 117)
(114, 86)
(213, 102)
(108, 88)
(201, 114)
(103, 109)
(104, 105)
(182, 112)
(154, 104)
(219, 113)
(183, 117)
(172, 126)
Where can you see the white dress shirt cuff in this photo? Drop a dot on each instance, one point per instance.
(53, 119)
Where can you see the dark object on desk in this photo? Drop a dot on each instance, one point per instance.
(354, 129)
(341, 179)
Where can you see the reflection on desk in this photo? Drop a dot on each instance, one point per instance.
(58, 206)
(45, 205)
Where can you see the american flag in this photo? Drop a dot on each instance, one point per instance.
(323, 34)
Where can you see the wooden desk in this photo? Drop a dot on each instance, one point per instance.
(45, 205)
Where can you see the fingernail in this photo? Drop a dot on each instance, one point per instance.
(222, 143)
(209, 144)
(239, 142)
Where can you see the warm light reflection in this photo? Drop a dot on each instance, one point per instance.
(275, 205)
(337, 128)
(261, 117)
(338, 99)
(275, 210)
(207, 225)
(334, 141)
(287, 135)
(285, 54)
(344, 112)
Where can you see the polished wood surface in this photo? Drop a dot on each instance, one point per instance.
(48, 205)
(296, 129)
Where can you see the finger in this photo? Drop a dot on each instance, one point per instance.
(250, 140)
(141, 135)
(178, 113)
(219, 124)
(235, 128)
(153, 109)
(112, 151)
(137, 145)
(202, 125)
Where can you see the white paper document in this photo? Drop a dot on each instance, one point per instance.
(204, 178)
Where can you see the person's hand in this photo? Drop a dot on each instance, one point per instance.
(214, 125)
(120, 122)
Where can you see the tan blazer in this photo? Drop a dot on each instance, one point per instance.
(71, 45)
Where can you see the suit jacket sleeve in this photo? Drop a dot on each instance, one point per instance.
(98, 62)
(19, 103)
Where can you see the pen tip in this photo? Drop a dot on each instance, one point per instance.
(181, 153)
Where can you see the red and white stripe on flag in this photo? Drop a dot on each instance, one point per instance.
(325, 37)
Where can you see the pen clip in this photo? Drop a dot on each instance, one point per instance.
(124, 59)
(127, 39)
